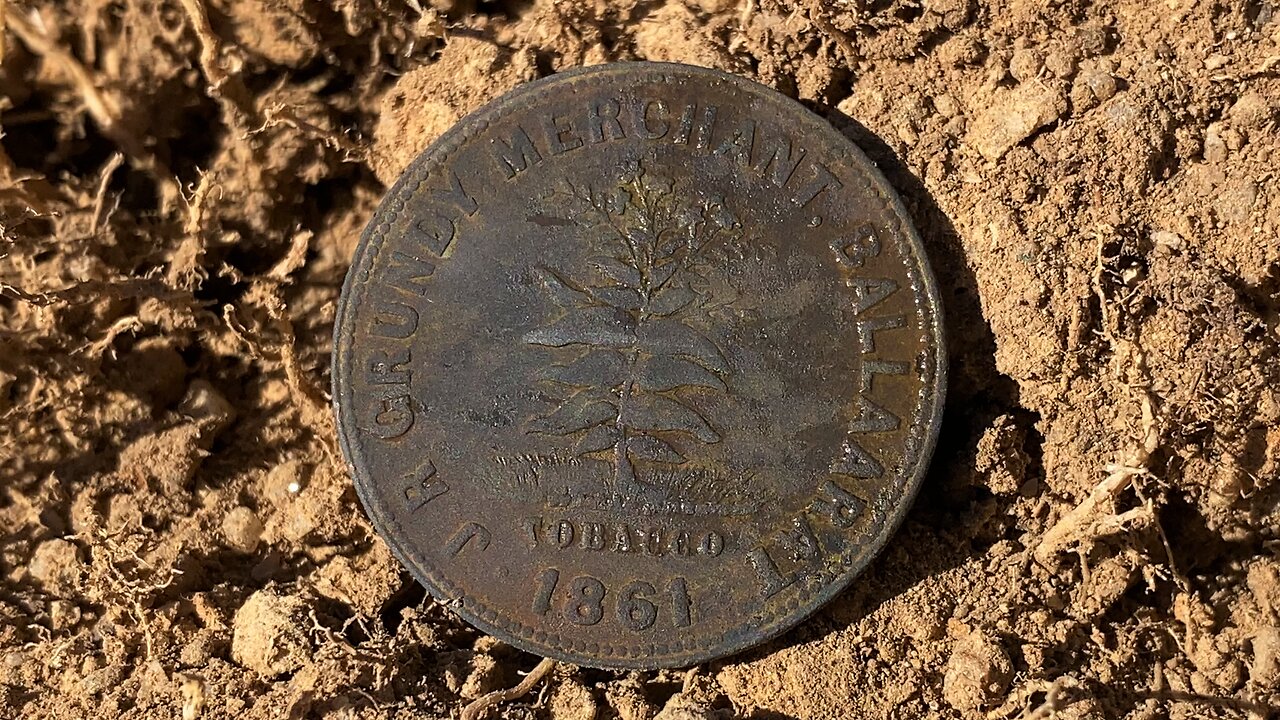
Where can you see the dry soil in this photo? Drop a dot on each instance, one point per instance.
(182, 183)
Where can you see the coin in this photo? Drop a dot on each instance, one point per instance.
(638, 365)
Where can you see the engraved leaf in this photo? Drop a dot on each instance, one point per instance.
(616, 270)
(666, 336)
(597, 368)
(604, 327)
(672, 299)
(666, 372)
(561, 207)
(658, 276)
(577, 413)
(651, 412)
(600, 437)
(620, 297)
(647, 447)
(558, 290)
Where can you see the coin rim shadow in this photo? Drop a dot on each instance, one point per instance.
(977, 394)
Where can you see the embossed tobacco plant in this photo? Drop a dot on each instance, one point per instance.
(634, 358)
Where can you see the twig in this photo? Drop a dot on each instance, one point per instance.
(195, 204)
(210, 45)
(100, 198)
(824, 25)
(476, 709)
(280, 114)
(293, 259)
(226, 88)
(96, 104)
(131, 288)
(1096, 516)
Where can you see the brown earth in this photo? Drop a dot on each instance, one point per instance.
(182, 183)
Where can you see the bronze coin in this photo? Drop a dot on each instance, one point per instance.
(638, 365)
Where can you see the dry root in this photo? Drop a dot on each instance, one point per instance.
(477, 708)
(1096, 516)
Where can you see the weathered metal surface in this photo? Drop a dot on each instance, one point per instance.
(638, 365)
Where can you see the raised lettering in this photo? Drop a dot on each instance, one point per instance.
(837, 505)
(781, 163)
(592, 536)
(800, 540)
(391, 417)
(712, 544)
(560, 135)
(767, 570)
(873, 418)
(737, 147)
(622, 538)
(822, 180)
(702, 134)
(562, 534)
(868, 292)
(394, 319)
(866, 330)
(408, 273)
(471, 533)
(423, 490)
(530, 526)
(857, 247)
(584, 606)
(680, 603)
(434, 232)
(685, 128)
(517, 154)
(388, 367)
(635, 610)
(651, 128)
(546, 588)
(857, 462)
(602, 121)
(456, 195)
(871, 368)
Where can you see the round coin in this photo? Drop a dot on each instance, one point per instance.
(638, 365)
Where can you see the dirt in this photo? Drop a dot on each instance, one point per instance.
(182, 183)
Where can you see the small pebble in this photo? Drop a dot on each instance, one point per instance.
(946, 105)
(570, 700)
(56, 566)
(1215, 150)
(1025, 64)
(1014, 116)
(977, 672)
(1061, 62)
(270, 634)
(242, 530)
(1102, 84)
(208, 407)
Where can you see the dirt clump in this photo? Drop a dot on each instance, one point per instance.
(977, 671)
(182, 184)
(271, 634)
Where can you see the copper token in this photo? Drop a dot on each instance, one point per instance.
(638, 365)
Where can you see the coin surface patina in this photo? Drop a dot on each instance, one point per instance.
(638, 365)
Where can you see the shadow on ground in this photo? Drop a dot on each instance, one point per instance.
(938, 533)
